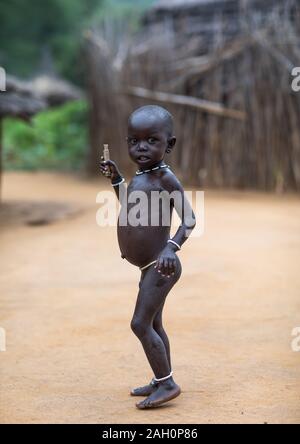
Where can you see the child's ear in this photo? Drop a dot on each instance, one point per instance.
(171, 143)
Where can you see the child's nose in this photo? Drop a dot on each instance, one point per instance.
(142, 146)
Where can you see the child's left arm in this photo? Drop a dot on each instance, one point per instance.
(166, 261)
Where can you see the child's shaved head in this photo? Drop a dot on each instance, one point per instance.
(153, 113)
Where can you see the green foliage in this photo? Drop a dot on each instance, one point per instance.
(55, 139)
(35, 31)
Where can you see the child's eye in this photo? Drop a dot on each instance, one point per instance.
(151, 140)
(133, 141)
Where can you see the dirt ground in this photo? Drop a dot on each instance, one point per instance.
(67, 298)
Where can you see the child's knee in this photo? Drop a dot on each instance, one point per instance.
(159, 329)
(157, 323)
(138, 326)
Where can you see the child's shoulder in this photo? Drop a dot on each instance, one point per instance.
(170, 181)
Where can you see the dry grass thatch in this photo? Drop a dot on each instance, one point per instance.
(237, 118)
(23, 99)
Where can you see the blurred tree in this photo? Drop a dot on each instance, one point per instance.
(34, 31)
(46, 35)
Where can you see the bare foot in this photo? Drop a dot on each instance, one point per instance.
(166, 391)
(146, 390)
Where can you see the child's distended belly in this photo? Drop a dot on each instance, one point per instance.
(141, 245)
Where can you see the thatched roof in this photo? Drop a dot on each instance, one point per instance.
(170, 4)
(186, 4)
(175, 7)
(54, 90)
(204, 18)
(23, 99)
(21, 106)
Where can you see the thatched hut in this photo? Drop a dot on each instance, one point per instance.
(205, 18)
(223, 67)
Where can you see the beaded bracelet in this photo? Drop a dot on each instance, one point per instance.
(175, 243)
(118, 183)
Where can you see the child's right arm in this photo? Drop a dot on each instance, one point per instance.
(117, 180)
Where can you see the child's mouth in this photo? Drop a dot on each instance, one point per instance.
(143, 158)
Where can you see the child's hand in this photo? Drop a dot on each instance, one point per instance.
(109, 169)
(166, 262)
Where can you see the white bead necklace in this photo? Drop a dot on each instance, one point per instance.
(151, 169)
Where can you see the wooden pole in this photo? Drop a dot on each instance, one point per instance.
(205, 105)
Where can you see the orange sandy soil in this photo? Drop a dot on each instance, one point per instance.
(67, 298)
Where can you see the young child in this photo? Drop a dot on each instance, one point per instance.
(150, 138)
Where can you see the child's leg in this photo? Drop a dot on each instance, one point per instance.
(153, 291)
(158, 327)
(146, 390)
(151, 297)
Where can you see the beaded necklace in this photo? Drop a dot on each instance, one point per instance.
(138, 172)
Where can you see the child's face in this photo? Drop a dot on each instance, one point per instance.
(147, 140)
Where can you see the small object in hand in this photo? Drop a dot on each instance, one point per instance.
(106, 157)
